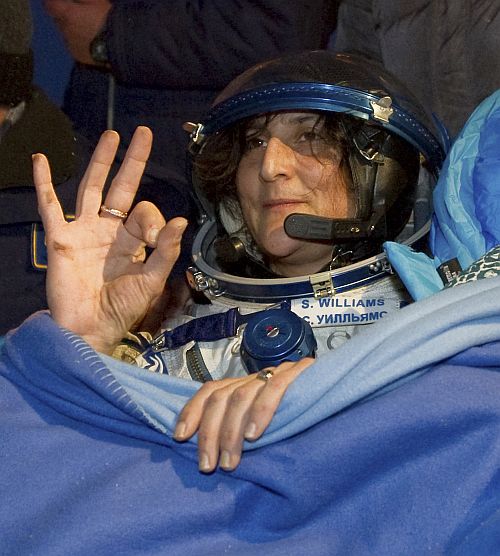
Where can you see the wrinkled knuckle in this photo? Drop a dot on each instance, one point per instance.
(227, 436)
(210, 404)
(121, 183)
(204, 437)
(49, 198)
(206, 387)
(238, 396)
(262, 407)
(217, 397)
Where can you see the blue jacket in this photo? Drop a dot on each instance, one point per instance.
(41, 128)
(169, 58)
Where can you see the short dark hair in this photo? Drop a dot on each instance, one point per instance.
(215, 166)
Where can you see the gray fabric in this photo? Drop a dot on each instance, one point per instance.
(446, 51)
(16, 27)
(16, 57)
(222, 358)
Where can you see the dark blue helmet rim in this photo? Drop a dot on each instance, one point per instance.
(326, 98)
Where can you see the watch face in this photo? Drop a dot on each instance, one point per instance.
(98, 50)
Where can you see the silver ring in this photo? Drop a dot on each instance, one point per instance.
(114, 212)
(265, 374)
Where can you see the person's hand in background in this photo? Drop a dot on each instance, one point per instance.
(79, 21)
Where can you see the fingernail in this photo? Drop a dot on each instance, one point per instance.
(251, 431)
(179, 229)
(204, 463)
(180, 431)
(153, 236)
(226, 460)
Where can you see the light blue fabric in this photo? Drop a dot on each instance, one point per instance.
(466, 223)
(416, 270)
(391, 351)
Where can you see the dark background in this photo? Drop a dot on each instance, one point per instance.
(52, 62)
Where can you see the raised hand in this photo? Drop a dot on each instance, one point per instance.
(227, 412)
(98, 281)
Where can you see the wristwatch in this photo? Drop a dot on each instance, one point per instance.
(98, 49)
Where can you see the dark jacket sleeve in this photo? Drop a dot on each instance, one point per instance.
(188, 44)
(357, 31)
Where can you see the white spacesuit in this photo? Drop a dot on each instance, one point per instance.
(254, 318)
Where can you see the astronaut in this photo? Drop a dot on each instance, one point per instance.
(303, 168)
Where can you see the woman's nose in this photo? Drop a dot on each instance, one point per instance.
(278, 161)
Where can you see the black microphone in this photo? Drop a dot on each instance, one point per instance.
(320, 228)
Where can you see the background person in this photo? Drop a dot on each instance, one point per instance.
(444, 52)
(31, 123)
(159, 63)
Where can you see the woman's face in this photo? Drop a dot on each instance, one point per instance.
(290, 166)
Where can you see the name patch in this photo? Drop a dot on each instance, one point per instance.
(343, 310)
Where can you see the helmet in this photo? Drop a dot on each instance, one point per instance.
(393, 144)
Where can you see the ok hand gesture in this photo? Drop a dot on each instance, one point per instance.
(99, 282)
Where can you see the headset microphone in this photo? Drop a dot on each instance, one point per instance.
(320, 228)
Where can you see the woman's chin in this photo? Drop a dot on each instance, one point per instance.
(280, 245)
(293, 257)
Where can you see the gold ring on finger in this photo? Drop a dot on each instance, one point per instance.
(114, 212)
(265, 374)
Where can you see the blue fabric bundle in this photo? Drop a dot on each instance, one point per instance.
(399, 467)
(466, 222)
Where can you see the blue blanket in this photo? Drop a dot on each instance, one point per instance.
(396, 452)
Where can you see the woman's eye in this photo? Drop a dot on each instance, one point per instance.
(309, 143)
(310, 136)
(254, 143)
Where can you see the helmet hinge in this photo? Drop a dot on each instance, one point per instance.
(196, 279)
(322, 285)
(195, 132)
(382, 265)
(201, 283)
(382, 109)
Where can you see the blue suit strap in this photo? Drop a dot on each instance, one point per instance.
(204, 329)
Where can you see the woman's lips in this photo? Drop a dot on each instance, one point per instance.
(281, 203)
